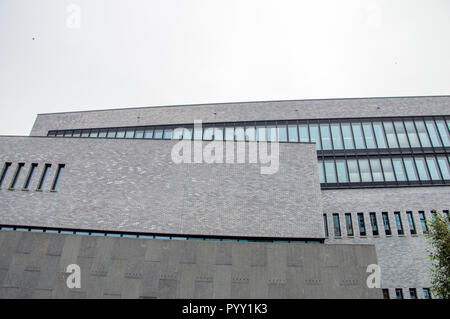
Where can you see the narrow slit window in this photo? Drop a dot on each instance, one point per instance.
(349, 224)
(57, 180)
(4, 172)
(337, 225)
(387, 225)
(423, 221)
(398, 221)
(30, 176)
(44, 176)
(325, 224)
(373, 222)
(362, 225)
(412, 225)
(17, 175)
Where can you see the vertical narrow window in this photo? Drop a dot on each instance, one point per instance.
(30, 176)
(422, 169)
(365, 170)
(412, 135)
(445, 212)
(398, 169)
(387, 225)
(341, 168)
(330, 172)
(410, 169)
(373, 222)
(386, 294)
(426, 293)
(314, 135)
(218, 134)
(423, 135)
(4, 173)
(433, 168)
(362, 224)
(353, 171)
(326, 137)
(388, 171)
(282, 133)
(359, 138)
(376, 170)
(321, 172)
(229, 134)
(239, 133)
(260, 134)
(208, 133)
(271, 134)
(44, 176)
(57, 180)
(250, 134)
(390, 135)
(399, 293)
(379, 134)
(398, 221)
(347, 135)
(303, 131)
(293, 133)
(432, 132)
(349, 224)
(412, 225)
(401, 134)
(16, 175)
(412, 293)
(443, 165)
(368, 134)
(337, 225)
(444, 132)
(423, 221)
(325, 224)
(336, 136)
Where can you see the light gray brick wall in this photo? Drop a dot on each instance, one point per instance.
(253, 111)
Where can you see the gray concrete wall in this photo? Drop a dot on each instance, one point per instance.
(133, 185)
(33, 265)
(253, 111)
(403, 258)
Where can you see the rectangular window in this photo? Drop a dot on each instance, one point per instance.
(399, 293)
(358, 135)
(314, 135)
(388, 171)
(148, 134)
(398, 221)
(410, 169)
(349, 224)
(85, 133)
(373, 222)
(293, 133)
(386, 294)
(93, 134)
(168, 132)
(239, 133)
(250, 133)
(432, 132)
(386, 223)
(325, 224)
(423, 135)
(412, 293)
(398, 169)
(57, 180)
(401, 134)
(412, 135)
(17, 175)
(376, 170)
(44, 176)
(445, 212)
(326, 136)
(282, 133)
(412, 225)
(379, 134)
(368, 134)
(426, 293)
(433, 168)
(120, 134)
(422, 169)
(218, 134)
(330, 172)
(208, 133)
(423, 221)
(347, 135)
(336, 136)
(159, 134)
(353, 171)
(271, 133)
(303, 130)
(321, 172)
(129, 134)
(341, 168)
(111, 134)
(390, 135)
(362, 224)
(4, 173)
(177, 133)
(187, 134)
(30, 176)
(365, 170)
(102, 134)
(443, 165)
(444, 132)
(337, 225)
(229, 134)
(78, 133)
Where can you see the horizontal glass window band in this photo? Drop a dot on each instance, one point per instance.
(328, 134)
(104, 233)
(372, 171)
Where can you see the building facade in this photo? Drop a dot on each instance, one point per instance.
(355, 183)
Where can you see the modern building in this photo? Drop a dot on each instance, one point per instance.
(354, 184)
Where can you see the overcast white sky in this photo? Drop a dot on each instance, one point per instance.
(129, 53)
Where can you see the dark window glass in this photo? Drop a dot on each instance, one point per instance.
(386, 294)
(57, 180)
(426, 293)
(44, 176)
(337, 225)
(412, 225)
(4, 173)
(423, 222)
(30, 176)
(17, 175)
(398, 221)
(412, 293)
(445, 212)
(399, 293)
(349, 224)
(325, 224)
(362, 224)
(373, 222)
(386, 223)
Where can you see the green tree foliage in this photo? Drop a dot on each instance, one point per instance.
(438, 237)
